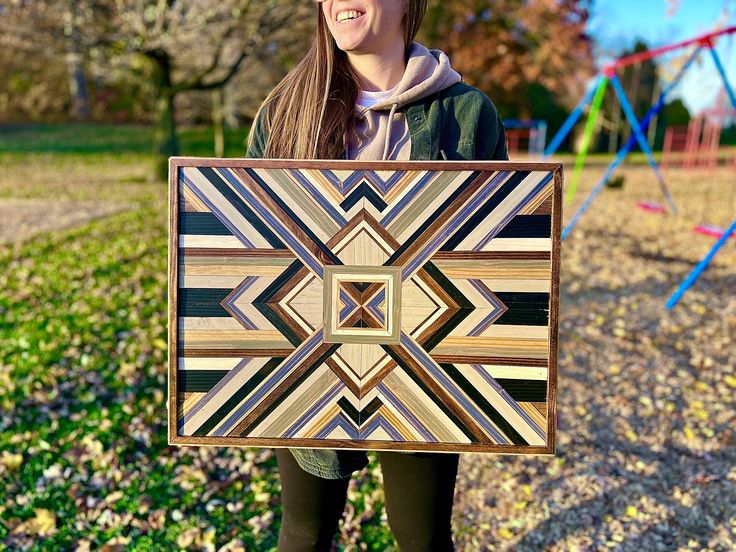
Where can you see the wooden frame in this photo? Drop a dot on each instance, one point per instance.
(481, 428)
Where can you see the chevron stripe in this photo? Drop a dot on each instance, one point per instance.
(237, 218)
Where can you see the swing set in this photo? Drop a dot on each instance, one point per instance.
(594, 97)
(695, 145)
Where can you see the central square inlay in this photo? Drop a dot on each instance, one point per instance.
(362, 304)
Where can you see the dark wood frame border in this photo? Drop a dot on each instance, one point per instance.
(173, 281)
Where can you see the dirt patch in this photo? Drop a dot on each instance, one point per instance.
(22, 218)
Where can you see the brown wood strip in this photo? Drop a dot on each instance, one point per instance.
(508, 361)
(236, 352)
(353, 164)
(492, 255)
(545, 208)
(358, 444)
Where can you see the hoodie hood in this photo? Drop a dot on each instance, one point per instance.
(427, 72)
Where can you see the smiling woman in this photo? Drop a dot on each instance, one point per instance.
(316, 99)
(366, 90)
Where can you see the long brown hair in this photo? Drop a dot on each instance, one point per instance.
(313, 105)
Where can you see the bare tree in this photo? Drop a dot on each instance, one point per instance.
(194, 45)
(187, 44)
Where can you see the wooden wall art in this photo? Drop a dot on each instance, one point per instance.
(407, 305)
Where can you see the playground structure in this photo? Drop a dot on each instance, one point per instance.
(696, 145)
(594, 97)
(528, 136)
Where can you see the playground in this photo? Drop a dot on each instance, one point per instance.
(646, 426)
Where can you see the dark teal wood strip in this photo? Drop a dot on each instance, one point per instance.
(202, 301)
(202, 224)
(525, 390)
(527, 226)
(199, 381)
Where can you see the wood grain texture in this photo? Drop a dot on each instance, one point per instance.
(363, 304)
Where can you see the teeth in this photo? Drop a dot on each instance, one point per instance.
(350, 14)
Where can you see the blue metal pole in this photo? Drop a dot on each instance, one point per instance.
(593, 193)
(571, 120)
(722, 72)
(662, 96)
(624, 151)
(701, 266)
(642, 141)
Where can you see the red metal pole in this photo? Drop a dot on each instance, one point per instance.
(704, 40)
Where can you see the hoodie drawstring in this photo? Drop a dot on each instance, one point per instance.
(388, 130)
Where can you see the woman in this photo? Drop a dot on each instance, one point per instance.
(367, 90)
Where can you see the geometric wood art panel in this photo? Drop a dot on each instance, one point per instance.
(364, 304)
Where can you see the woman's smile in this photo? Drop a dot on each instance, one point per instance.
(345, 17)
(356, 18)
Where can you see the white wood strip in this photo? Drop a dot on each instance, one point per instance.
(231, 282)
(204, 240)
(203, 363)
(519, 244)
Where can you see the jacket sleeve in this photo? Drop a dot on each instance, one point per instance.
(490, 136)
(260, 135)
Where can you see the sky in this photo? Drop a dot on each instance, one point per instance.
(616, 24)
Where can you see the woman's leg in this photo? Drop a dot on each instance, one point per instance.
(312, 506)
(419, 490)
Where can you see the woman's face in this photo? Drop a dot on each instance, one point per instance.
(378, 25)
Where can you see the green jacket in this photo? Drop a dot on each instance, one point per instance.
(459, 122)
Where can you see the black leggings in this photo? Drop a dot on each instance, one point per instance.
(419, 491)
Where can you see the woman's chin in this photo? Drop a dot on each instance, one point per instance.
(352, 44)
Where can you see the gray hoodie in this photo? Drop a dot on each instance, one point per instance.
(386, 136)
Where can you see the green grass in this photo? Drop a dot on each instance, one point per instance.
(106, 138)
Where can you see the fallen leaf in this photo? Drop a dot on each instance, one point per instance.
(505, 533)
(11, 461)
(43, 525)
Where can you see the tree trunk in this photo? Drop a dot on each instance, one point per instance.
(75, 69)
(230, 106)
(652, 130)
(218, 121)
(164, 134)
(77, 87)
